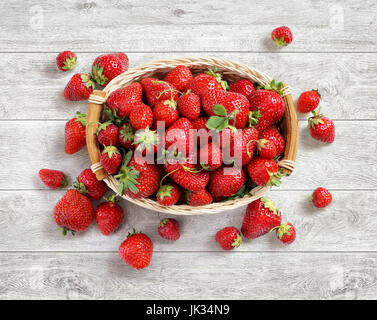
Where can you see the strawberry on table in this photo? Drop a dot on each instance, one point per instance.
(169, 229)
(107, 134)
(321, 128)
(229, 238)
(179, 77)
(127, 135)
(273, 134)
(79, 87)
(321, 197)
(168, 194)
(110, 159)
(286, 233)
(75, 133)
(243, 86)
(264, 172)
(141, 117)
(198, 198)
(189, 105)
(107, 66)
(66, 60)
(109, 215)
(308, 101)
(53, 178)
(88, 185)
(282, 36)
(156, 90)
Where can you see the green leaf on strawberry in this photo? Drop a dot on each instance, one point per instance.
(98, 75)
(276, 86)
(127, 176)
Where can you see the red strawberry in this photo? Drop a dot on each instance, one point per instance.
(75, 133)
(141, 117)
(73, 212)
(109, 216)
(66, 60)
(245, 145)
(282, 36)
(264, 172)
(261, 216)
(201, 130)
(308, 101)
(321, 197)
(166, 112)
(157, 90)
(198, 198)
(225, 182)
(168, 194)
(189, 105)
(266, 148)
(200, 123)
(107, 134)
(88, 184)
(206, 81)
(244, 87)
(123, 100)
(169, 229)
(126, 135)
(79, 87)
(147, 141)
(53, 178)
(107, 66)
(210, 157)
(273, 134)
(136, 250)
(111, 159)
(286, 233)
(180, 135)
(229, 238)
(321, 128)
(179, 77)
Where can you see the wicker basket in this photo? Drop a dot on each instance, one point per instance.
(231, 71)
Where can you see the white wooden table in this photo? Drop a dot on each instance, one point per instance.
(334, 50)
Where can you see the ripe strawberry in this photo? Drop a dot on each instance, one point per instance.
(88, 184)
(136, 250)
(147, 141)
(198, 198)
(273, 134)
(229, 238)
(201, 131)
(107, 66)
(73, 212)
(261, 216)
(123, 100)
(181, 136)
(110, 159)
(156, 90)
(179, 77)
(109, 216)
(210, 157)
(127, 135)
(53, 178)
(141, 117)
(321, 128)
(206, 81)
(225, 182)
(165, 111)
(286, 233)
(79, 87)
(321, 197)
(282, 36)
(66, 60)
(169, 229)
(308, 101)
(245, 145)
(107, 134)
(200, 123)
(168, 194)
(244, 87)
(75, 133)
(266, 148)
(189, 105)
(264, 172)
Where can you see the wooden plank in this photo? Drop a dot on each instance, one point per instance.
(187, 26)
(345, 81)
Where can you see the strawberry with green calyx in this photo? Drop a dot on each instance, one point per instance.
(179, 77)
(213, 72)
(286, 233)
(107, 134)
(282, 36)
(228, 238)
(308, 101)
(202, 83)
(157, 90)
(107, 66)
(146, 141)
(265, 172)
(66, 60)
(168, 194)
(127, 135)
(189, 105)
(266, 148)
(53, 178)
(75, 133)
(169, 229)
(110, 159)
(165, 111)
(109, 215)
(198, 198)
(79, 87)
(321, 128)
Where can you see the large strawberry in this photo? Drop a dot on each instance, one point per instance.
(209, 80)
(66, 60)
(225, 182)
(107, 134)
(179, 77)
(264, 172)
(75, 133)
(189, 105)
(244, 87)
(321, 128)
(109, 216)
(107, 66)
(141, 117)
(198, 198)
(53, 178)
(261, 216)
(79, 87)
(88, 185)
(110, 159)
(180, 136)
(273, 134)
(156, 90)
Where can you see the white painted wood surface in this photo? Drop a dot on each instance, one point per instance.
(334, 50)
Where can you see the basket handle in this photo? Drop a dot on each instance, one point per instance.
(92, 119)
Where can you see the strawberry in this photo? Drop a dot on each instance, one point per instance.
(244, 87)
(273, 134)
(181, 136)
(88, 184)
(109, 216)
(189, 105)
(286, 233)
(168, 194)
(282, 36)
(123, 100)
(201, 130)
(107, 66)
(266, 148)
(136, 250)
(169, 229)
(200, 123)
(248, 139)
(53, 178)
(141, 117)
(75, 133)
(210, 157)
(110, 159)
(73, 212)
(147, 141)
(264, 172)
(308, 101)
(127, 135)
(225, 182)
(261, 216)
(166, 112)
(107, 134)
(321, 127)
(228, 238)
(206, 81)
(179, 77)
(321, 197)
(198, 198)
(157, 90)
(79, 87)
(66, 60)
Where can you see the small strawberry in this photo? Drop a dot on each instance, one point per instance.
(111, 159)
(107, 66)
(147, 141)
(244, 87)
(109, 216)
(308, 101)
(286, 233)
(141, 117)
(79, 87)
(225, 182)
(264, 172)
(169, 229)
(73, 212)
(75, 133)
(266, 148)
(166, 112)
(189, 105)
(53, 178)
(168, 194)
(127, 135)
(229, 238)
(156, 90)
(181, 136)
(321, 127)
(136, 250)
(88, 185)
(261, 216)
(206, 81)
(321, 197)
(273, 134)
(66, 60)
(282, 36)
(210, 157)
(198, 198)
(179, 77)
(107, 134)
